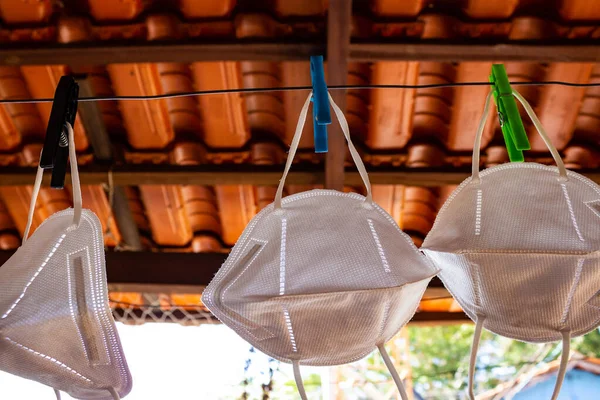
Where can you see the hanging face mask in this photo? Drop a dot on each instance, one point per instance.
(55, 323)
(320, 277)
(518, 246)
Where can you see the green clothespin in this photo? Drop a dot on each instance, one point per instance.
(513, 130)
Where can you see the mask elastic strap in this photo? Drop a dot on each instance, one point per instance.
(564, 361)
(536, 122)
(34, 195)
(390, 366)
(77, 202)
(473, 358)
(360, 166)
(298, 379)
(114, 394)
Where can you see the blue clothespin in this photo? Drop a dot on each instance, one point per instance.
(320, 99)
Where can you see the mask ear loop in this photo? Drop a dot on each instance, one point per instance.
(77, 202)
(473, 357)
(296, 140)
(562, 370)
(34, 195)
(536, 122)
(390, 366)
(298, 379)
(538, 125)
(114, 394)
(564, 361)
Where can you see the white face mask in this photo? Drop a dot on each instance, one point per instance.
(55, 323)
(320, 277)
(518, 246)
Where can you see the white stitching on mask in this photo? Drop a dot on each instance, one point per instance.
(384, 260)
(288, 323)
(210, 299)
(593, 205)
(386, 314)
(71, 306)
(282, 257)
(591, 184)
(478, 212)
(55, 361)
(98, 306)
(576, 278)
(264, 242)
(573, 219)
(96, 303)
(109, 323)
(60, 239)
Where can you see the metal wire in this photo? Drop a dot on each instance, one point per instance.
(294, 88)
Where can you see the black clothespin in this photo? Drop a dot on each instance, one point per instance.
(55, 153)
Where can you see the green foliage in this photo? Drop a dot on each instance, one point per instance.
(588, 345)
(440, 358)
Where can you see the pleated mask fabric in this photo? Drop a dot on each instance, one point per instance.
(320, 277)
(56, 326)
(518, 247)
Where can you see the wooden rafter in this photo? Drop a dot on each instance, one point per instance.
(83, 55)
(95, 129)
(132, 175)
(339, 20)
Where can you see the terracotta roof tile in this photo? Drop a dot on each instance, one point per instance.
(490, 9)
(114, 10)
(147, 123)
(237, 206)
(166, 213)
(95, 199)
(296, 74)
(467, 107)
(578, 10)
(390, 123)
(557, 106)
(391, 8)
(18, 12)
(224, 117)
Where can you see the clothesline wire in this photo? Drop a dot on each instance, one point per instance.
(294, 88)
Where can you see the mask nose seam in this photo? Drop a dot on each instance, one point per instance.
(571, 295)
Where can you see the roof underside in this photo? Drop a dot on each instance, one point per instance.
(233, 136)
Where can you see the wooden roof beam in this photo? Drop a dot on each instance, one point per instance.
(210, 175)
(95, 129)
(339, 21)
(439, 51)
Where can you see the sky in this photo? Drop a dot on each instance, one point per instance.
(170, 361)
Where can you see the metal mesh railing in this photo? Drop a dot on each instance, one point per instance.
(140, 308)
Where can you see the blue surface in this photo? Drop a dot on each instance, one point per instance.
(320, 99)
(578, 385)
